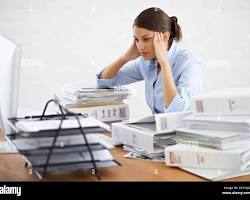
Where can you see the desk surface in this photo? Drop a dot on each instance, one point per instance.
(12, 168)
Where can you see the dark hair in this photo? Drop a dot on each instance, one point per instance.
(157, 20)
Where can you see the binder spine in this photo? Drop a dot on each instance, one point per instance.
(197, 159)
(170, 121)
(222, 105)
(105, 113)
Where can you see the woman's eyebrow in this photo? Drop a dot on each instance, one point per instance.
(146, 35)
(143, 36)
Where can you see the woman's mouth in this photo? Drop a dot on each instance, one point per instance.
(143, 53)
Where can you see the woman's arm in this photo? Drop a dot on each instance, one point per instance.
(111, 70)
(169, 88)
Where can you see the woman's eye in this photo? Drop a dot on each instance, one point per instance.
(146, 39)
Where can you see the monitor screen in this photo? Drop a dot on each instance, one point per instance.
(9, 81)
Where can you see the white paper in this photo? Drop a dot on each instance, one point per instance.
(35, 126)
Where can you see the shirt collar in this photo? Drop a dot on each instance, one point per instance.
(172, 51)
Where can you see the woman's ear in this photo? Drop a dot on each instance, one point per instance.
(166, 36)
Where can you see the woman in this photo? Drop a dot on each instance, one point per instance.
(171, 74)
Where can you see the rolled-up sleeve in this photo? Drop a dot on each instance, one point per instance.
(188, 84)
(129, 73)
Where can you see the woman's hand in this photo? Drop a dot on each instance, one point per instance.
(160, 46)
(132, 53)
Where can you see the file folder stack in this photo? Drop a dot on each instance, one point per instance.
(214, 145)
(147, 137)
(105, 104)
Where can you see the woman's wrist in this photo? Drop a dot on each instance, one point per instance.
(164, 63)
(124, 59)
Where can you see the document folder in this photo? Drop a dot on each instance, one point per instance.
(144, 133)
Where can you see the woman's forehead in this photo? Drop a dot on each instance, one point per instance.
(140, 32)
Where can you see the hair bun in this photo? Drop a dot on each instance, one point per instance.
(174, 19)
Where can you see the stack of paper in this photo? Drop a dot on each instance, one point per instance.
(212, 138)
(164, 140)
(105, 104)
(80, 94)
(101, 94)
(226, 122)
(41, 125)
(158, 155)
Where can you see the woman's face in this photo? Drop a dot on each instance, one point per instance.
(144, 42)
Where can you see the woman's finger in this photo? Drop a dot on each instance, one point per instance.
(158, 36)
(161, 37)
(160, 41)
(155, 40)
(155, 36)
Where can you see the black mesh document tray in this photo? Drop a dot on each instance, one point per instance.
(61, 149)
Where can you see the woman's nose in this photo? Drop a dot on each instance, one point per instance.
(140, 46)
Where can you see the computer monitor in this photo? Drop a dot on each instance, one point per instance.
(10, 54)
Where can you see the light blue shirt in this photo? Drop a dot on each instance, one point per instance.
(186, 71)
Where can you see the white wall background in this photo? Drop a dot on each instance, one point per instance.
(66, 40)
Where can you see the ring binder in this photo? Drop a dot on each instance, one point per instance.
(61, 148)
